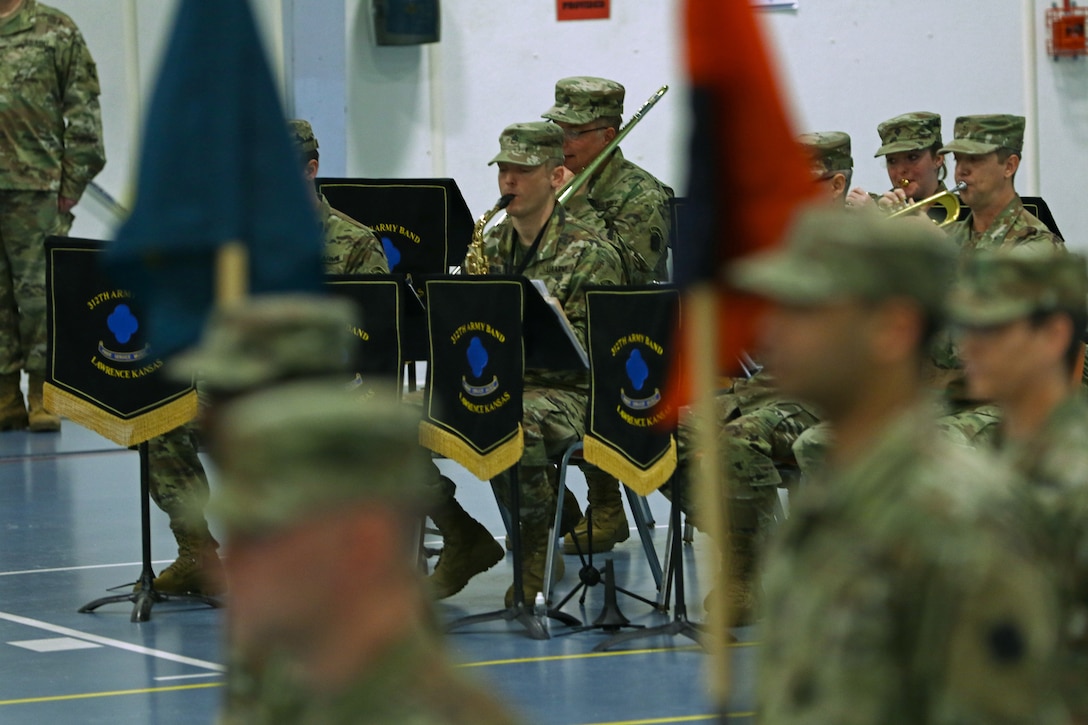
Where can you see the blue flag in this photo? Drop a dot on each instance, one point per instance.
(217, 166)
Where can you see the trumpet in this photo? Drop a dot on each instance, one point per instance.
(947, 199)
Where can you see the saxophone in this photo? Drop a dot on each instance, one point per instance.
(475, 263)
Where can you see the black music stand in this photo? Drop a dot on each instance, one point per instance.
(146, 596)
(547, 345)
(630, 333)
(680, 624)
(424, 224)
(393, 323)
(103, 374)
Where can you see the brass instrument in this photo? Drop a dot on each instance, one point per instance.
(571, 187)
(947, 198)
(474, 256)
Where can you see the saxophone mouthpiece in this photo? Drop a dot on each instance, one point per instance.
(504, 201)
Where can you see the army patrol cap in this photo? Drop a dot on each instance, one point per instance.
(530, 144)
(581, 99)
(909, 132)
(302, 134)
(831, 256)
(998, 288)
(305, 448)
(986, 134)
(268, 338)
(829, 152)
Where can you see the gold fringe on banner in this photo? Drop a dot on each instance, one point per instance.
(642, 481)
(122, 431)
(483, 466)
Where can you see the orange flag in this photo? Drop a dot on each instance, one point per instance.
(747, 173)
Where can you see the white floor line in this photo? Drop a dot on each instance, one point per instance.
(116, 643)
(79, 568)
(187, 677)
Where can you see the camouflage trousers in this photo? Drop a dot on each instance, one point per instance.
(972, 426)
(26, 219)
(551, 420)
(751, 446)
(178, 483)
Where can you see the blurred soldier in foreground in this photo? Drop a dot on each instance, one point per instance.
(351, 247)
(899, 590)
(1023, 320)
(328, 620)
(262, 340)
(50, 149)
(634, 208)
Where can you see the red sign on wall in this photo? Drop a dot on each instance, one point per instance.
(582, 9)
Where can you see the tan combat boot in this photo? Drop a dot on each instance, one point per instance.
(609, 519)
(534, 542)
(12, 408)
(40, 420)
(197, 570)
(467, 550)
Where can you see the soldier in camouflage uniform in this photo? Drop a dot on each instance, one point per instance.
(987, 150)
(902, 588)
(633, 207)
(831, 163)
(538, 240)
(351, 247)
(50, 149)
(328, 620)
(910, 144)
(1023, 319)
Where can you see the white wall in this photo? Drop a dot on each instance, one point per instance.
(438, 109)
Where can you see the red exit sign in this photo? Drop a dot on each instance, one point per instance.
(582, 9)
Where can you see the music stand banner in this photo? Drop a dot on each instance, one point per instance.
(472, 408)
(424, 224)
(102, 372)
(630, 341)
(380, 299)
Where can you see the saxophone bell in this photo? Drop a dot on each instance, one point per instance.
(475, 263)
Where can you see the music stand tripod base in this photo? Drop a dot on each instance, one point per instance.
(146, 596)
(518, 612)
(680, 623)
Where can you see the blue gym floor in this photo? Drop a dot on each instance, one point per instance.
(69, 531)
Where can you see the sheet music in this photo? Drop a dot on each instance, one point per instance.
(557, 308)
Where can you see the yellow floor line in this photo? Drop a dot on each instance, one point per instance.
(682, 718)
(590, 655)
(114, 693)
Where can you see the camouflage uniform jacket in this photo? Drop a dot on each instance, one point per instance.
(50, 122)
(1054, 464)
(635, 207)
(897, 593)
(350, 246)
(412, 684)
(1014, 228)
(571, 256)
